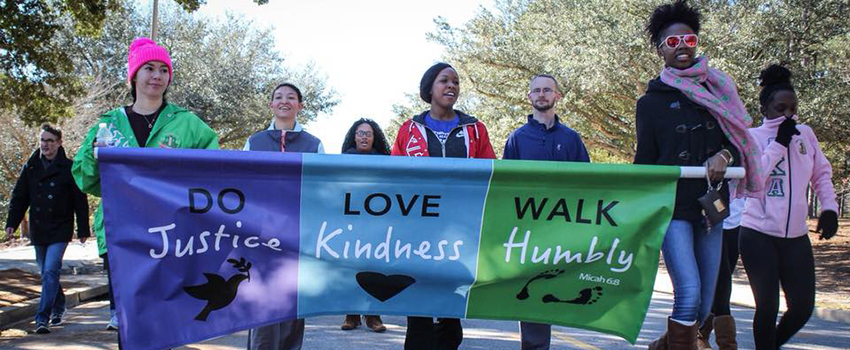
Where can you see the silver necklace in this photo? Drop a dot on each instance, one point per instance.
(151, 121)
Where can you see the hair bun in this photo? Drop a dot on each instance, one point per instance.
(141, 41)
(774, 75)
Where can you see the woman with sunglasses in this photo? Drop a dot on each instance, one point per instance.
(774, 238)
(441, 131)
(365, 137)
(691, 115)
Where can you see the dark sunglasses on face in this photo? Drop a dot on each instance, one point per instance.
(362, 133)
(673, 41)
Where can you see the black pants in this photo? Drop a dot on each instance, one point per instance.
(728, 261)
(771, 262)
(424, 334)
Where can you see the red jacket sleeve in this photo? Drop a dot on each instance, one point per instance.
(484, 148)
(400, 139)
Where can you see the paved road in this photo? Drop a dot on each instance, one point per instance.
(84, 330)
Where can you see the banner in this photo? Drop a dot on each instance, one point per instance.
(206, 243)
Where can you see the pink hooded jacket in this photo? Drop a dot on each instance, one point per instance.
(788, 171)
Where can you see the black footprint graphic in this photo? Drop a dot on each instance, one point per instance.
(587, 296)
(217, 292)
(523, 294)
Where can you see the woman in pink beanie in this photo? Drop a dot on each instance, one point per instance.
(150, 121)
(150, 63)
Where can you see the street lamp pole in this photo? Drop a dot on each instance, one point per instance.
(154, 19)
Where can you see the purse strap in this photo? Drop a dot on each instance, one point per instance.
(708, 180)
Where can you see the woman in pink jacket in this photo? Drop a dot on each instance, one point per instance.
(774, 239)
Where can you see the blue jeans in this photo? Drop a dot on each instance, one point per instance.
(49, 259)
(692, 256)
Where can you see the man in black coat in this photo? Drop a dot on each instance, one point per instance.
(47, 189)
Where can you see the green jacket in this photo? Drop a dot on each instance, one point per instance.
(174, 128)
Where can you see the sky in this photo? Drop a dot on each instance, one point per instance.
(372, 51)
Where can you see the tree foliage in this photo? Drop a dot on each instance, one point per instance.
(224, 70)
(38, 81)
(603, 59)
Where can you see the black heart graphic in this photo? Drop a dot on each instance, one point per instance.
(381, 286)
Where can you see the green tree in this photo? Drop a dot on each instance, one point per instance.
(588, 46)
(602, 58)
(224, 70)
(38, 81)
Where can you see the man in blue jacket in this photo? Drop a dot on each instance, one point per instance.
(543, 137)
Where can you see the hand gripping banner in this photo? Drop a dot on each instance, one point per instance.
(205, 243)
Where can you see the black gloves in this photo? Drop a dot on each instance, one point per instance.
(827, 224)
(787, 129)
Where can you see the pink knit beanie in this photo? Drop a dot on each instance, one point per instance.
(144, 50)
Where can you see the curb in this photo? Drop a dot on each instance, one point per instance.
(832, 315)
(12, 314)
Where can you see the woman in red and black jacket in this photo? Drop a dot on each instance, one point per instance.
(440, 131)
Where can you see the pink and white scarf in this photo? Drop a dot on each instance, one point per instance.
(716, 91)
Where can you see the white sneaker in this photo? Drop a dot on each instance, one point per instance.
(113, 322)
(57, 319)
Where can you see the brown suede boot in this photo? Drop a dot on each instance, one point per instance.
(351, 322)
(725, 332)
(374, 323)
(681, 337)
(704, 332)
(660, 343)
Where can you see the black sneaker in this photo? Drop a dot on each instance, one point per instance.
(41, 328)
(56, 319)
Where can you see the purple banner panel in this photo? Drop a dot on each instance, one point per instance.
(201, 243)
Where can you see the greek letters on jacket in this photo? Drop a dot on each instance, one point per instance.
(469, 140)
(788, 172)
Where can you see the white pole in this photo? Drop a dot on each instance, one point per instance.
(698, 172)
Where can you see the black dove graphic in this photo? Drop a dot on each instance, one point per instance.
(217, 292)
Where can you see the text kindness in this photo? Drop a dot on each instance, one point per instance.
(346, 242)
(334, 245)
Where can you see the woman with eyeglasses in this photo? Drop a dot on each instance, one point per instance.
(365, 137)
(774, 240)
(691, 115)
